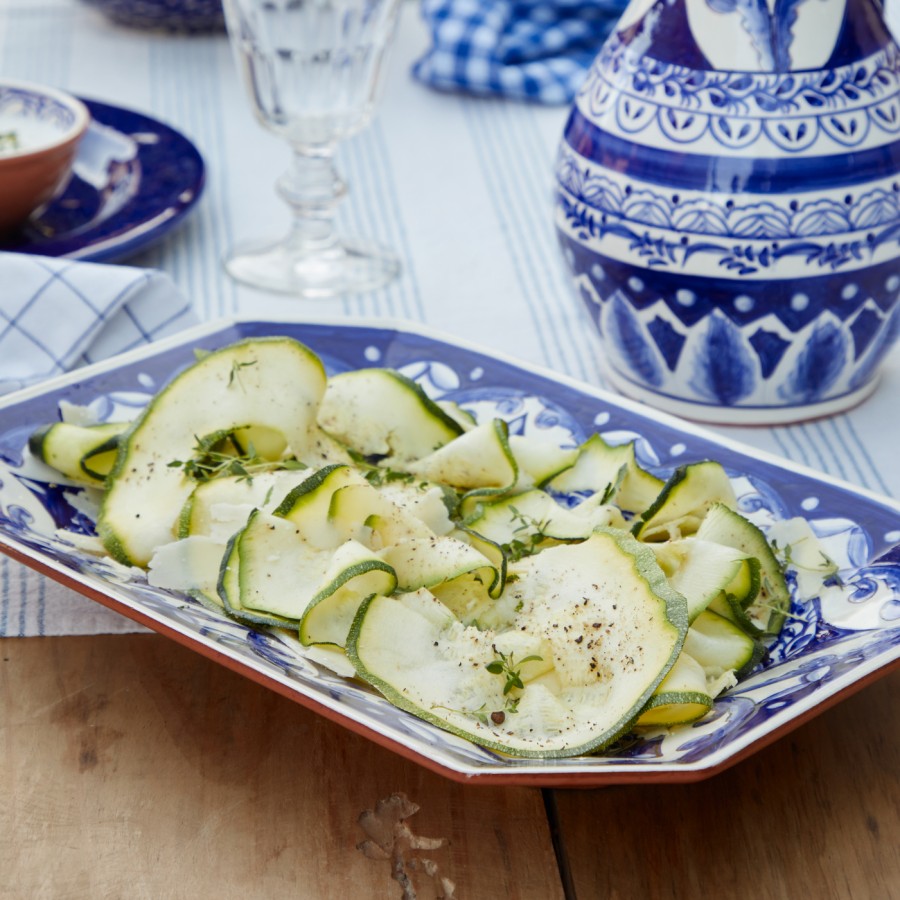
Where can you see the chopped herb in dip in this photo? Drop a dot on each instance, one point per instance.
(9, 141)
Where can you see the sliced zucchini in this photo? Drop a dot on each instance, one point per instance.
(745, 585)
(524, 523)
(613, 472)
(537, 460)
(468, 597)
(700, 570)
(281, 573)
(221, 506)
(684, 501)
(720, 646)
(97, 462)
(330, 613)
(768, 608)
(261, 441)
(80, 452)
(430, 561)
(381, 413)
(309, 505)
(428, 502)
(602, 613)
(337, 504)
(362, 513)
(682, 697)
(278, 572)
(273, 383)
(228, 588)
(729, 607)
(563, 588)
(461, 416)
(479, 461)
(535, 627)
(493, 552)
(715, 655)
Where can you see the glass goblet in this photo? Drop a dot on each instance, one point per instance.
(313, 71)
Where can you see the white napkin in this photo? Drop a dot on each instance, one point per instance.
(57, 314)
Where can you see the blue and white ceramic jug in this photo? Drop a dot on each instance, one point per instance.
(729, 204)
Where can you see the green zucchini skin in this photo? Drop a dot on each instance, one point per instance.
(382, 413)
(764, 610)
(613, 471)
(592, 579)
(505, 564)
(71, 449)
(684, 501)
(269, 382)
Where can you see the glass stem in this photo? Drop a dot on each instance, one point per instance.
(312, 189)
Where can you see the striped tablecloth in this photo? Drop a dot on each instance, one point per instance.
(461, 187)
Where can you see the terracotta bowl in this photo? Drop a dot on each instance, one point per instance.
(39, 133)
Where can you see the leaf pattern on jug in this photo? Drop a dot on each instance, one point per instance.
(818, 365)
(884, 340)
(724, 367)
(627, 335)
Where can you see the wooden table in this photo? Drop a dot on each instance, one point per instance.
(133, 768)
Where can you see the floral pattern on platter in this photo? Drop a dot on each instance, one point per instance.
(847, 632)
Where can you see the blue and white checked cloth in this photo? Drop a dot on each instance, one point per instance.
(539, 50)
(57, 314)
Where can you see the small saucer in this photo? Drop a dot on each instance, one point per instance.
(134, 180)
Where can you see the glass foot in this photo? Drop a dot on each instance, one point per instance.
(349, 267)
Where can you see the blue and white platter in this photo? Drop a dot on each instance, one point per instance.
(134, 180)
(832, 645)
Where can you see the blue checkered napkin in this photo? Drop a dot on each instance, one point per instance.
(57, 314)
(537, 51)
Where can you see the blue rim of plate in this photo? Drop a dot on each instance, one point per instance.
(823, 654)
(166, 179)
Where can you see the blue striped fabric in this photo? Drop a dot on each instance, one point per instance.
(58, 314)
(538, 51)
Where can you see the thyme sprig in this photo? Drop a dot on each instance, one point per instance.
(510, 669)
(212, 461)
(533, 533)
(827, 567)
(234, 376)
(9, 141)
(377, 476)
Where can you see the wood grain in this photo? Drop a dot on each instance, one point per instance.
(815, 815)
(134, 768)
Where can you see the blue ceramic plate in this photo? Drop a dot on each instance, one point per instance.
(831, 646)
(135, 179)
